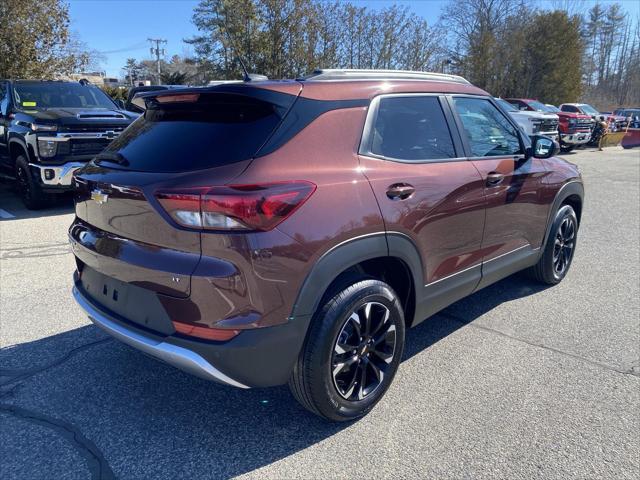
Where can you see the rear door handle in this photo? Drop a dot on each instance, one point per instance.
(494, 178)
(400, 191)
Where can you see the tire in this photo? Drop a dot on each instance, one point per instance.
(559, 250)
(334, 340)
(567, 148)
(28, 188)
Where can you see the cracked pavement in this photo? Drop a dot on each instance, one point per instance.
(517, 381)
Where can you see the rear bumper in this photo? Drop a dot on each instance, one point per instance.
(179, 357)
(256, 358)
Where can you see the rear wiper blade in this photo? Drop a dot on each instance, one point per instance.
(113, 157)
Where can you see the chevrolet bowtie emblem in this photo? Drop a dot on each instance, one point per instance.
(99, 196)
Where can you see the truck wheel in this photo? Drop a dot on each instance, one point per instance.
(352, 352)
(558, 252)
(29, 190)
(567, 148)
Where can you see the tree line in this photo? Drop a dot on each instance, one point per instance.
(508, 47)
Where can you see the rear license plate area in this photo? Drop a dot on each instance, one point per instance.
(129, 302)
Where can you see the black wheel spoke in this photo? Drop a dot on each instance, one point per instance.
(356, 322)
(377, 371)
(348, 391)
(384, 318)
(363, 380)
(345, 347)
(385, 335)
(340, 366)
(384, 356)
(367, 320)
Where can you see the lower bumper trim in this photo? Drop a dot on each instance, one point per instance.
(179, 357)
(575, 138)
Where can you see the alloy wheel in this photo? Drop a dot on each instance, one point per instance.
(564, 245)
(363, 351)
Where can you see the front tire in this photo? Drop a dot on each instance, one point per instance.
(352, 352)
(28, 188)
(558, 252)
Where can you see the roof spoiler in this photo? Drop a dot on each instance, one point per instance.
(152, 100)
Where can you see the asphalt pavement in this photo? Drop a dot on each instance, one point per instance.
(517, 381)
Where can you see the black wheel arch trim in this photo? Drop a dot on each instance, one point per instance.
(27, 150)
(573, 187)
(345, 255)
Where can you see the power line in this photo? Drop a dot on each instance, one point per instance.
(137, 46)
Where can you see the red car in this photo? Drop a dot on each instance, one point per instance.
(575, 128)
(615, 122)
(273, 232)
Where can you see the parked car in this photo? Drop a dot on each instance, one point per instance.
(574, 128)
(631, 114)
(290, 231)
(616, 122)
(533, 122)
(49, 129)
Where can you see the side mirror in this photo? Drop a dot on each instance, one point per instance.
(543, 147)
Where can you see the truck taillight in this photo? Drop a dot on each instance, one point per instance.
(235, 207)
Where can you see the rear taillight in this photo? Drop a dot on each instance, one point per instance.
(235, 207)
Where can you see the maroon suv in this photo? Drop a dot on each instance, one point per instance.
(291, 231)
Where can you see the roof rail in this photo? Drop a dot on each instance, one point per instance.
(353, 74)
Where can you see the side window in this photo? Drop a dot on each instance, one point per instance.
(488, 131)
(411, 128)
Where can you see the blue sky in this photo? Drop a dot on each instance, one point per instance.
(119, 28)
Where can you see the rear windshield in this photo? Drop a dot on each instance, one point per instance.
(216, 130)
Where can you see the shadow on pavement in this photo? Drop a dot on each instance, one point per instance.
(467, 310)
(11, 204)
(150, 420)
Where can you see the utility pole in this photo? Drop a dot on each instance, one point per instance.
(157, 51)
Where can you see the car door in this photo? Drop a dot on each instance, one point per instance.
(427, 191)
(516, 211)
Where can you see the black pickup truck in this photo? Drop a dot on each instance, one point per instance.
(49, 129)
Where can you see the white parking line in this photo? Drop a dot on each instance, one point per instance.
(5, 214)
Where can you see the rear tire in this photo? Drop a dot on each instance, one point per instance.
(358, 329)
(28, 188)
(559, 250)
